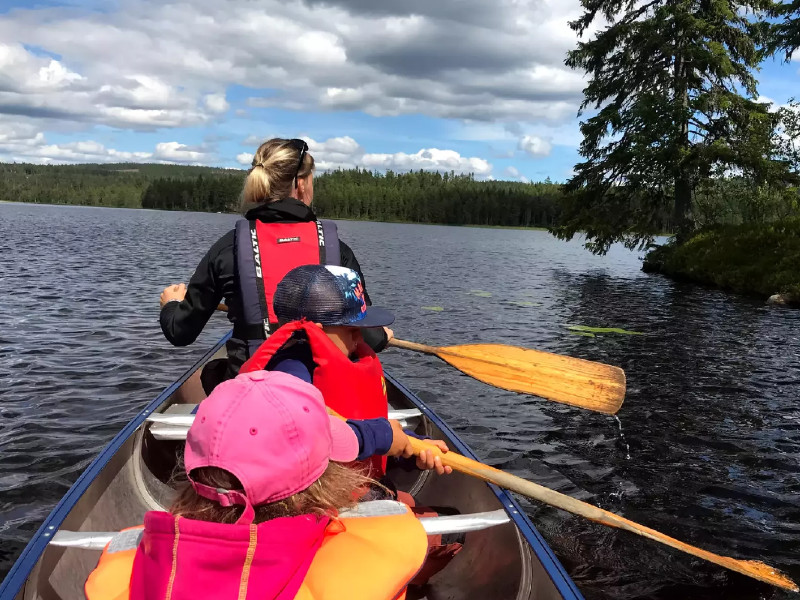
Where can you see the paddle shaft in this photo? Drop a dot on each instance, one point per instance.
(755, 569)
(415, 347)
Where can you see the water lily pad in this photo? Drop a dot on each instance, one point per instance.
(480, 293)
(433, 308)
(587, 329)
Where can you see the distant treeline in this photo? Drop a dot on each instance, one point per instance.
(121, 185)
(420, 196)
(425, 197)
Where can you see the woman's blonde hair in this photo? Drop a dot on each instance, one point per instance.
(273, 172)
(338, 487)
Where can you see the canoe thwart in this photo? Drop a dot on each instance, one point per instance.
(97, 540)
(173, 425)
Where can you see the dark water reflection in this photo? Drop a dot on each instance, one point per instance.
(711, 422)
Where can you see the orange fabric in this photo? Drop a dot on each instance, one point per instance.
(367, 558)
(374, 558)
(111, 579)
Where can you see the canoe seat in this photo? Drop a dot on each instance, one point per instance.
(97, 540)
(174, 422)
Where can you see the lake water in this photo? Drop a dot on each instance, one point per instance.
(708, 452)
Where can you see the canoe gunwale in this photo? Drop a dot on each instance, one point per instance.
(27, 560)
(541, 549)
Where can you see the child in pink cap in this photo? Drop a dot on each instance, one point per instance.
(259, 517)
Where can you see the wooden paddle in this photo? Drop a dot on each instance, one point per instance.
(564, 379)
(751, 568)
(591, 385)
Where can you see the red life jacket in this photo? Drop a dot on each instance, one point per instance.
(265, 253)
(354, 389)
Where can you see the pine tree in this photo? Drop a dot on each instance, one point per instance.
(672, 85)
(787, 30)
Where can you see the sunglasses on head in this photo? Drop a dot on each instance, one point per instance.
(303, 148)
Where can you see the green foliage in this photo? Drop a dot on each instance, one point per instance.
(206, 194)
(431, 197)
(754, 258)
(116, 185)
(672, 92)
(420, 197)
(593, 330)
(784, 34)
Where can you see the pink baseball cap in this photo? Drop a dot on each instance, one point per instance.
(272, 431)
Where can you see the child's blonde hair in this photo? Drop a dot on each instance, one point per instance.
(337, 488)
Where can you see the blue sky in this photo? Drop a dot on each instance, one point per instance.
(463, 85)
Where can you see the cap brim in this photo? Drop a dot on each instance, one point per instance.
(375, 317)
(344, 446)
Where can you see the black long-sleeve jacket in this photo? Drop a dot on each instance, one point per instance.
(214, 279)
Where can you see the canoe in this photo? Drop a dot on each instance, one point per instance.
(509, 560)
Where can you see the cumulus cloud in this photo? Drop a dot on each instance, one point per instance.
(179, 153)
(216, 103)
(468, 60)
(431, 159)
(21, 142)
(245, 158)
(535, 146)
(514, 173)
(346, 153)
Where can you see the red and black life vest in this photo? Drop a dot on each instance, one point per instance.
(265, 253)
(356, 389)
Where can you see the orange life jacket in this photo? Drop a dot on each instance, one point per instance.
(361, 558)
(354, 389)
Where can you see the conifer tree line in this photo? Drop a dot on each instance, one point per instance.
(431, 197)
(673, 118)
(421, 197)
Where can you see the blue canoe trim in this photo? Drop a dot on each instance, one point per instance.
(544, 553)
(30, 555)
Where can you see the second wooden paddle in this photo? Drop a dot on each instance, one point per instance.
(591, 385)
(751, 568)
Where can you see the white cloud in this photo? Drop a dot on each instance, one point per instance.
(536, 146)
(346, 153)
(514, 173)
(148, 64)
(217, 103)
(431, 159)
(254, 140)
(179, 153)
(21, 142)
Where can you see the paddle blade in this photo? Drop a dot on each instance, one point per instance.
(591, 385)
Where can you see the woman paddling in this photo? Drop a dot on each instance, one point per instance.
(279, 232)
